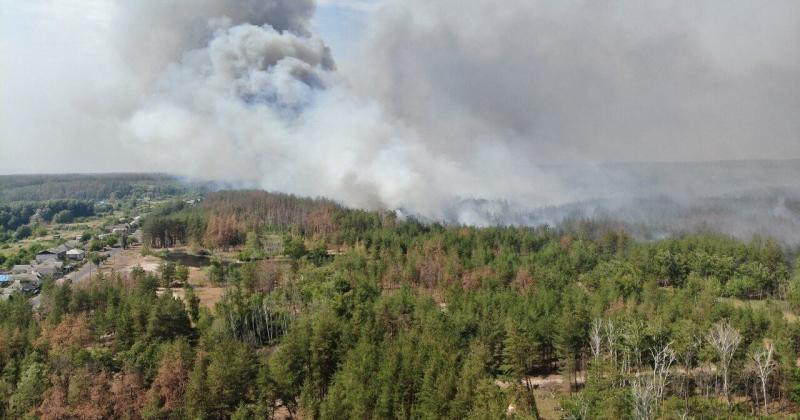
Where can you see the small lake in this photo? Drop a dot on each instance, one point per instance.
(189, 260)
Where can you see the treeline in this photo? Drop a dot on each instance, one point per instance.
(14, 215)
(433, 255)
(93, 187)
(224, 218)
(179, 228)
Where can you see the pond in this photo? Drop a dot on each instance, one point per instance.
(189, 260)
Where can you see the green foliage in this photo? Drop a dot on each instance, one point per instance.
(376, 317)
(181, 273)
(95, 258)
(294, 247)
(230, 377)
(23, 231)
(167, 271)
(95, 245)
(32, 384)
(192, 303)
(95, 187)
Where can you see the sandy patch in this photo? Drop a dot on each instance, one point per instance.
(125, 260)
(209, 296)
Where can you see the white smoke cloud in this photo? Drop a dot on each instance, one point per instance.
(266, 106)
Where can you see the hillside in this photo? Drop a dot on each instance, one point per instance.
(361, 314)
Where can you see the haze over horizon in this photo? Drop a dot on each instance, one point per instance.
(397, 103)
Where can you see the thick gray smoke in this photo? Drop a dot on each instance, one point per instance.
(582, 80)
(471, 111)
(262, 103)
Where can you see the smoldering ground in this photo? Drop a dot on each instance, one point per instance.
(473, 112)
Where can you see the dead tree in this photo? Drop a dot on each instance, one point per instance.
(596, 338)
(725, 340)
(765, 364)
(644, 392)
(612, 338)
(663, 359)
(648, 389)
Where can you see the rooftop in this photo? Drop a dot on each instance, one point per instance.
(25, 278)
(59, 249)
(21, 268)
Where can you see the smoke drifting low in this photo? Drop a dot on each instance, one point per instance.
(469, 111)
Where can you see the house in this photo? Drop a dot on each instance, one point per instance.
(44, 256)
(49, 268)
(76, 254)
(25, 283)
(55, 253)
(21, 269)
(60, 251)
(121, 229)
(30, 278)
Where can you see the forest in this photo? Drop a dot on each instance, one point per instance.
(18, 214)
(90, 186)
(375, 316)
(224, 218)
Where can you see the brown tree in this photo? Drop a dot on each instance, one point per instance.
(128, 391)
(169, 386)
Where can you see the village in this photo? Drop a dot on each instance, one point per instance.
(72, 260)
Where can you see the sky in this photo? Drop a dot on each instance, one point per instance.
(54, 48)
(394, 103)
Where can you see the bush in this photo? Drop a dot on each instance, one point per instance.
(294, 248)
(23, 232)
(741, 287)
(39, 231)
(64, 216)
(96, 258)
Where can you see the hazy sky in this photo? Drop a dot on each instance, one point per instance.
(388, 103)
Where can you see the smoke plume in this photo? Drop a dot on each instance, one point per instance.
(261, 102)
(470, 111)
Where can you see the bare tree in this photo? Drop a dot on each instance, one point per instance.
(725, 340)
(596, 338)
(611, 339)
(765, 364)
(648, 389)
(663, 358)
(644, 392)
